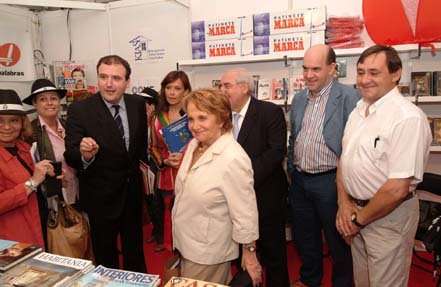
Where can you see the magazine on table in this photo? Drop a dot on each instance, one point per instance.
(46, 269)
(13, 252)
(103, 276)
(184, 282)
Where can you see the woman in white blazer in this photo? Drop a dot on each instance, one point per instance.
(215, 206)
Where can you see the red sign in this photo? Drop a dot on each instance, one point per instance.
(393, 22)
(9, 54)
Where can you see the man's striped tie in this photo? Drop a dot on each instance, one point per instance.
(117, 118)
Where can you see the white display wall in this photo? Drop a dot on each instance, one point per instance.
(162, 26)
(19, 20)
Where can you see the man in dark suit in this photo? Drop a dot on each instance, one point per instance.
(106, 136)
(260, 128)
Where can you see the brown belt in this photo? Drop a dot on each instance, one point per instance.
(364, 202)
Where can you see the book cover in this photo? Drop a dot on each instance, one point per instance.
(103, 276)
(293, 21)
(261, 45)
(221, 29)
(177, 134)
(78, 95)
(45, 269)
(404, 89)
(421, 83)
(198, 50)
(148, 178)
(186, 282)
(296, 84)
(264, 89)
(255, 87)
(223, 48)
(217, 48)
(64, 70)
(437, 83)
(285, 43)
(277, 92)
(12, 253)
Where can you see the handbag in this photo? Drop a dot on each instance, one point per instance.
(241, 279)
(68, 233)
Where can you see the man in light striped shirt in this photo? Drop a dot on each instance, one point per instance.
(318, 117)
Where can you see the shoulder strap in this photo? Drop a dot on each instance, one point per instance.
(25, 165)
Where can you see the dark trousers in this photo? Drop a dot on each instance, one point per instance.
(104, 239)
(272, 249)
(313, 201)
(155, 208)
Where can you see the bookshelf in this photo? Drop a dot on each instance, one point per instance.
(293, 56)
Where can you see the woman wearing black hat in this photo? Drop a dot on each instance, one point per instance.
(19, 176)
(48, 132)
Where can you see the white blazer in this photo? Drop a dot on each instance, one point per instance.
(215, 205)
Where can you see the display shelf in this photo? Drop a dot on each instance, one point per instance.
(429, 99)
(426, 99)
(357, 51)
(435, 148)
(233, 60)
(297, 55)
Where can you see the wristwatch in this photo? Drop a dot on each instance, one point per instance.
(249, 247)
(30, 184)
(354, 220)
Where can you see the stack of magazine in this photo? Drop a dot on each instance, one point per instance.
(26, 265)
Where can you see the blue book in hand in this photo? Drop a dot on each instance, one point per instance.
(177, 134)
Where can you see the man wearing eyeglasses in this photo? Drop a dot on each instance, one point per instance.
(260, 128)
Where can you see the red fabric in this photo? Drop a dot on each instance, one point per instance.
(387, 23)
(168, 240)
(19, 216)
(165, 177)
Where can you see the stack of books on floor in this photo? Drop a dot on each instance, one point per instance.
(27, 265)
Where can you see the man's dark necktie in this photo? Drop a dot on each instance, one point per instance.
(117, 118)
